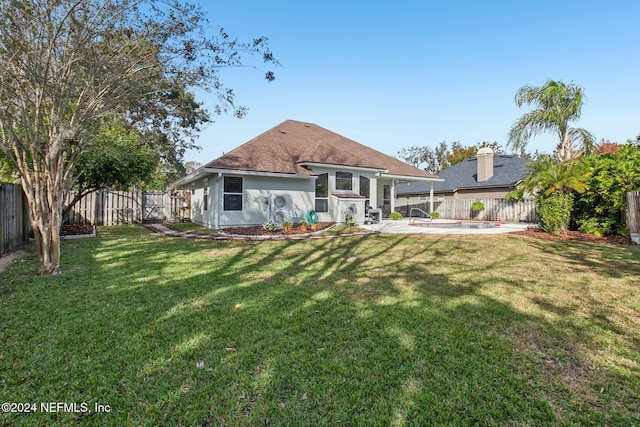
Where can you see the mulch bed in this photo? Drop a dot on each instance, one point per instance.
(76, 229)
(576, 236)
(259, 231)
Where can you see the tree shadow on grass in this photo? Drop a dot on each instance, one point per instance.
(363, 330)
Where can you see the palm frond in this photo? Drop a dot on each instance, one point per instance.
(557, 104)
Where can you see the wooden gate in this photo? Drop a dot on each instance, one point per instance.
(121, 207)
(180, 206)
(156, 206)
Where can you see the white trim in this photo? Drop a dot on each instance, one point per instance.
(204, 171)
(192, 177)
(341, 196)
(409, 178)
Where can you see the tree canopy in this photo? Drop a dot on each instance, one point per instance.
(436, 159)
(118, 159)
(69, 65)
(557, 104)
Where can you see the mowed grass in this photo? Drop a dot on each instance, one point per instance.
(362, 330)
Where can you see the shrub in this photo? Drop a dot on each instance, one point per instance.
(611, 177)
(395, 215)
(270, 225)
(555, 212)
(596, 226)
(515, 196)
(435, 214)
(477, 206)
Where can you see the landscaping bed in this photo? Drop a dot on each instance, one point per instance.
(257, 230)
(577, 236)
(76, 229)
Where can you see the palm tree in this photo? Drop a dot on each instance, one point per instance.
(557, 105)
(551, 176)
(554, 182)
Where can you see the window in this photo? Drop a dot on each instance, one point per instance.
(386, 194)
(344, 181)
(205, 199)
(232, 193)
(423, 197)
(365, 186)
(322, 193)
(365, 191)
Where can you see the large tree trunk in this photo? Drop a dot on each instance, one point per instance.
(45, 190)
(46, 222)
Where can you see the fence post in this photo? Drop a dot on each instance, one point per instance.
(633, 215)
(15, 225)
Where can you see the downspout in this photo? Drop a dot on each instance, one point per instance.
(393, 194)
(431, 198)
(218, 199)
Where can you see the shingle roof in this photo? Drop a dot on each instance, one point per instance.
(507, 171)
(291, 144)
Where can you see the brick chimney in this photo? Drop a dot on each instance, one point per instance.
(485, 164)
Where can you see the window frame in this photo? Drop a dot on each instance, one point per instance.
(386, 191)
(229, 198)
(344, 180)
(322, 198)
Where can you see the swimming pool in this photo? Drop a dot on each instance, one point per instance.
(456, 224)
(445, 226)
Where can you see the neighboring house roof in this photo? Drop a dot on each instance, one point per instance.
(290, 146)
(508, 171)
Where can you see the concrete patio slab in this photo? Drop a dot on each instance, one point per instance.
(443, 226)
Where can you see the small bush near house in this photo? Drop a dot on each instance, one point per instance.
(395, 215)
(435, 214)
(270, 225)
(477, 206)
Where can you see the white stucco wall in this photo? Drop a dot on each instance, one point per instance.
(198, 214)
(339, 207)
(336, 206)
(258, 190)
(257, 193)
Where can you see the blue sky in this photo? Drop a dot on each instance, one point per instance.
(395, 74)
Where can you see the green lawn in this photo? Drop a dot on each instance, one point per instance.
(363, 330)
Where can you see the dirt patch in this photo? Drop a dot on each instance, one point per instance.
(576, 236)
(259, 231)
(76, 229)
(7, 259)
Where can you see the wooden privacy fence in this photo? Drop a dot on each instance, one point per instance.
(494, 209)
(14, 217)
(633, 212)
(127, 207)
(97, 208)
(107, 208)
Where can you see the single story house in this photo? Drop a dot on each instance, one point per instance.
(291, 169)
(487, 176)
